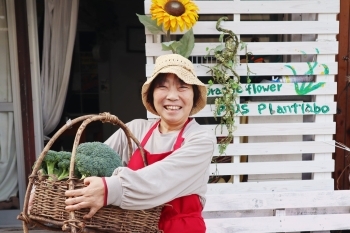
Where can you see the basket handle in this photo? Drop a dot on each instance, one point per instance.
(104, 117)
(23, 215)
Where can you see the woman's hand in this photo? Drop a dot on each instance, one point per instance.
(91, 197)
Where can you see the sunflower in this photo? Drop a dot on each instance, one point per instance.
(174, 14)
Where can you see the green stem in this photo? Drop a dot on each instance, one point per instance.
(167, 36)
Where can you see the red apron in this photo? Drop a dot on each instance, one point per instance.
(183, 214)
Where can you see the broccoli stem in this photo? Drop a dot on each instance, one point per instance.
(50, 166)
(63, 175)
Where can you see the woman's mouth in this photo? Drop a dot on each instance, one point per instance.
(171, 107)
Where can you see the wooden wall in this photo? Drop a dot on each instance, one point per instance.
(313, 102)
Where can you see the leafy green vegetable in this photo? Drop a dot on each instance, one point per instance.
(96, 159)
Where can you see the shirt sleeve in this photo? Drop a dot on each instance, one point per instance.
(184, 172)
(119, 142)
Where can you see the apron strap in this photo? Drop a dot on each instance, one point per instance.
(149, 133)
(179, 139)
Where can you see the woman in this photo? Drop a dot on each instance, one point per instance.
(178, 150)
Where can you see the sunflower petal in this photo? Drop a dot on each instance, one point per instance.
(166, 25)
(181, 23)
(184, 2)
(186, 19)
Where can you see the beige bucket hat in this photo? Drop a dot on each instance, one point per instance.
(183, 68)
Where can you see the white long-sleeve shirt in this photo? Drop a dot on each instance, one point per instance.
(184, 172)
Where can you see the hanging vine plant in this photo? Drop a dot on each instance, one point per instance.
(223, 72)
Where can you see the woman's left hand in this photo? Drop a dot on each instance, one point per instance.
(92, 196)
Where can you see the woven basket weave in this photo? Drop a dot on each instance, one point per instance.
(48, 210)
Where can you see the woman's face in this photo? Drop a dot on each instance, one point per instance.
(173, 100)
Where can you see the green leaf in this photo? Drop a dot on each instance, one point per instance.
(243, 45)
(171, 45)
(166, 45)
(187, 44)
(219, 48)
(150, 24)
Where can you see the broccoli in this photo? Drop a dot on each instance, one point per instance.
(63, 164)
(56, 165)
(50, 161)
(96, 159)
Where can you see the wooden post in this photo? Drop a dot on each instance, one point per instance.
(343, 98)
(25, 85)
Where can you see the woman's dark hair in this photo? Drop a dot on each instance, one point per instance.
(159, 80)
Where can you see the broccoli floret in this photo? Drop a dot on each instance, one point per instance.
(96, 159)
(63, 164)
(50, 162)
(56, 164)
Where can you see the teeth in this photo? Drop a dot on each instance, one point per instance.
(172, 107)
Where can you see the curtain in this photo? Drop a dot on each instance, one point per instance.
(8, 161)
(59, 36)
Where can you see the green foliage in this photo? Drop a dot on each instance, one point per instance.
(184, 46)
(56, 165)
(92, 159)
(150, 24)
(96, 159)
(63, 164)
(50, 162)
(223, 72)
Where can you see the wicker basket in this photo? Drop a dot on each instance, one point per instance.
(48, 210)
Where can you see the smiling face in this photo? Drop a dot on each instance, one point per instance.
(173, 101)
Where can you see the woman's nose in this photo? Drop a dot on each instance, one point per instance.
(173, 94)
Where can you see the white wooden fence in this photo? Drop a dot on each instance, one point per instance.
(273, 205)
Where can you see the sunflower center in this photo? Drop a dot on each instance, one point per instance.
(174, 8)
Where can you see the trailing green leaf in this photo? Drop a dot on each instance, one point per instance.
(223, 72)
(187, 44)
(150, 24)
(171, 45)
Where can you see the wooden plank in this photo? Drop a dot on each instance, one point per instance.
(276, 140)
(269, 186)
(6, 107)
(282, 148)
(279, 223)
(326, 98)
(264, 27)
(270, 109)
(276, 212)
(275, 109)
(263, 7)
(281, 200)
(261, 48)
(275, 129)
(279, 89)
(236, 140)
(263, 168)
(263, 69)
